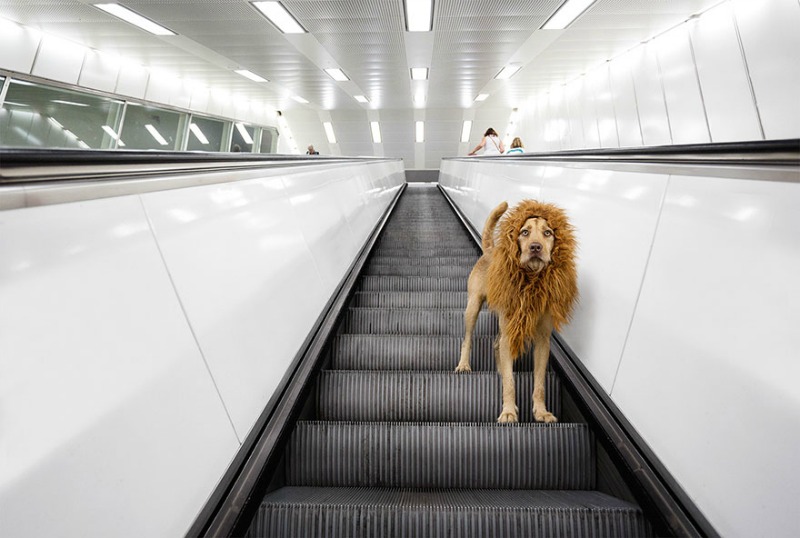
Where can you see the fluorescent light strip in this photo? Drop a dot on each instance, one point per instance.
(249, 74)
(419, 15)
(299, 99)
(376, 131)
(120, 11)
(508, 71)
(55, 122)
(245, 135)
(198, 133)
(152, 130)
(71, 103)
(280, 17)
(419, 98)
(466, 130)
(336, 74)
(110, 132)
(566, 14)
(482, 97)
(329, 132)
(361, 98)
(419, 73)
(420, 131)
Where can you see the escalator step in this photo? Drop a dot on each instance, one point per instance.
(410, 299)
(399, 396)
(404, 352)
(414, 260)
(409, 283)
(429, 252)
(436, 455)
(407, 321)
(368, 512)
(419, 270)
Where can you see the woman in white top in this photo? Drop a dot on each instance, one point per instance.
(491, 144)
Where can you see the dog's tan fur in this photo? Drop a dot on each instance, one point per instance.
(528, 278)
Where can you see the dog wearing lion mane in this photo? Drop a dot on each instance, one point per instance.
(528, 278)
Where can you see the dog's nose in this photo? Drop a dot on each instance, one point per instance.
(536, 248)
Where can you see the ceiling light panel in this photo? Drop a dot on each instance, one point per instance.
(329, 132)
(419, 73)
(361, 98)
(121, 12)
(466, 130)
(375, 128)
(249, 74)
(420, 131)
(337, 74)
(299, 99)
(508, 71)
(280, 17)
(419, 15)
(566, 14)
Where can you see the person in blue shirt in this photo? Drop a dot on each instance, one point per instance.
(516, 147)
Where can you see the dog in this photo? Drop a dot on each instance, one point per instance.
(527, 276)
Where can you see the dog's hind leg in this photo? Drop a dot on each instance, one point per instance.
(541, 356)
(474, 305)
(505, 366)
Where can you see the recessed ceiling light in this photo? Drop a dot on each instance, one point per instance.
(419, 73)
(420, 131)
(277, 15)
(249, 74)
(361, 98)
(419, 15)
(329, 132)
(568, 12)
(508, 71)
(376, 131)
(337, 74)
(120, 11)
(482, 97)
(466, 130)
(299, 99)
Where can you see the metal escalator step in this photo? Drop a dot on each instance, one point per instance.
(408, 321)
(410, 299)
(401, 513)
(419, 270)
(462, 261)
(400, 396)
(444, 251)
(436, 455)
(420, 352)
(412, 283)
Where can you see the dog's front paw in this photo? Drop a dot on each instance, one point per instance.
(508, 415)
(463, 367)
(544, 416)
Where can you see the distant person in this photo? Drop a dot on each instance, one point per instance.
(312, 151)
(516, 147)
(236, 148)
(491, 144)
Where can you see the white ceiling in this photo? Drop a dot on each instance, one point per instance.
(471, 41)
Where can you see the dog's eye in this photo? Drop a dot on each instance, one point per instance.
(548, 233)
(524, 233)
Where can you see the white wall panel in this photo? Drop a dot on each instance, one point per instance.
(59, 59)
(100, 71)
(591, 131)
(684, 103)
(615, 216)
(105, 396)
(160, 87)
(574, 91)
(650, 96)
(709, 376)
(726, 89)
(199, 100)
(600, 86)
(132, 81)
(770, 32)
(18, 46)
(630, 133)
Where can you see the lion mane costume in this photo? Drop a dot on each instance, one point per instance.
(523, 296)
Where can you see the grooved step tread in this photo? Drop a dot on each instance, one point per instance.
(416, 352)
(378, 512)
(418, 321)
(396, 396)
(441, 455)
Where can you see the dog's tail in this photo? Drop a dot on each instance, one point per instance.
(487, 241)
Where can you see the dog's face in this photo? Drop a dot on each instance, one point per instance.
(535, 240)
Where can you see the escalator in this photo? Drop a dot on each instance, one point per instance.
(393, 442)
